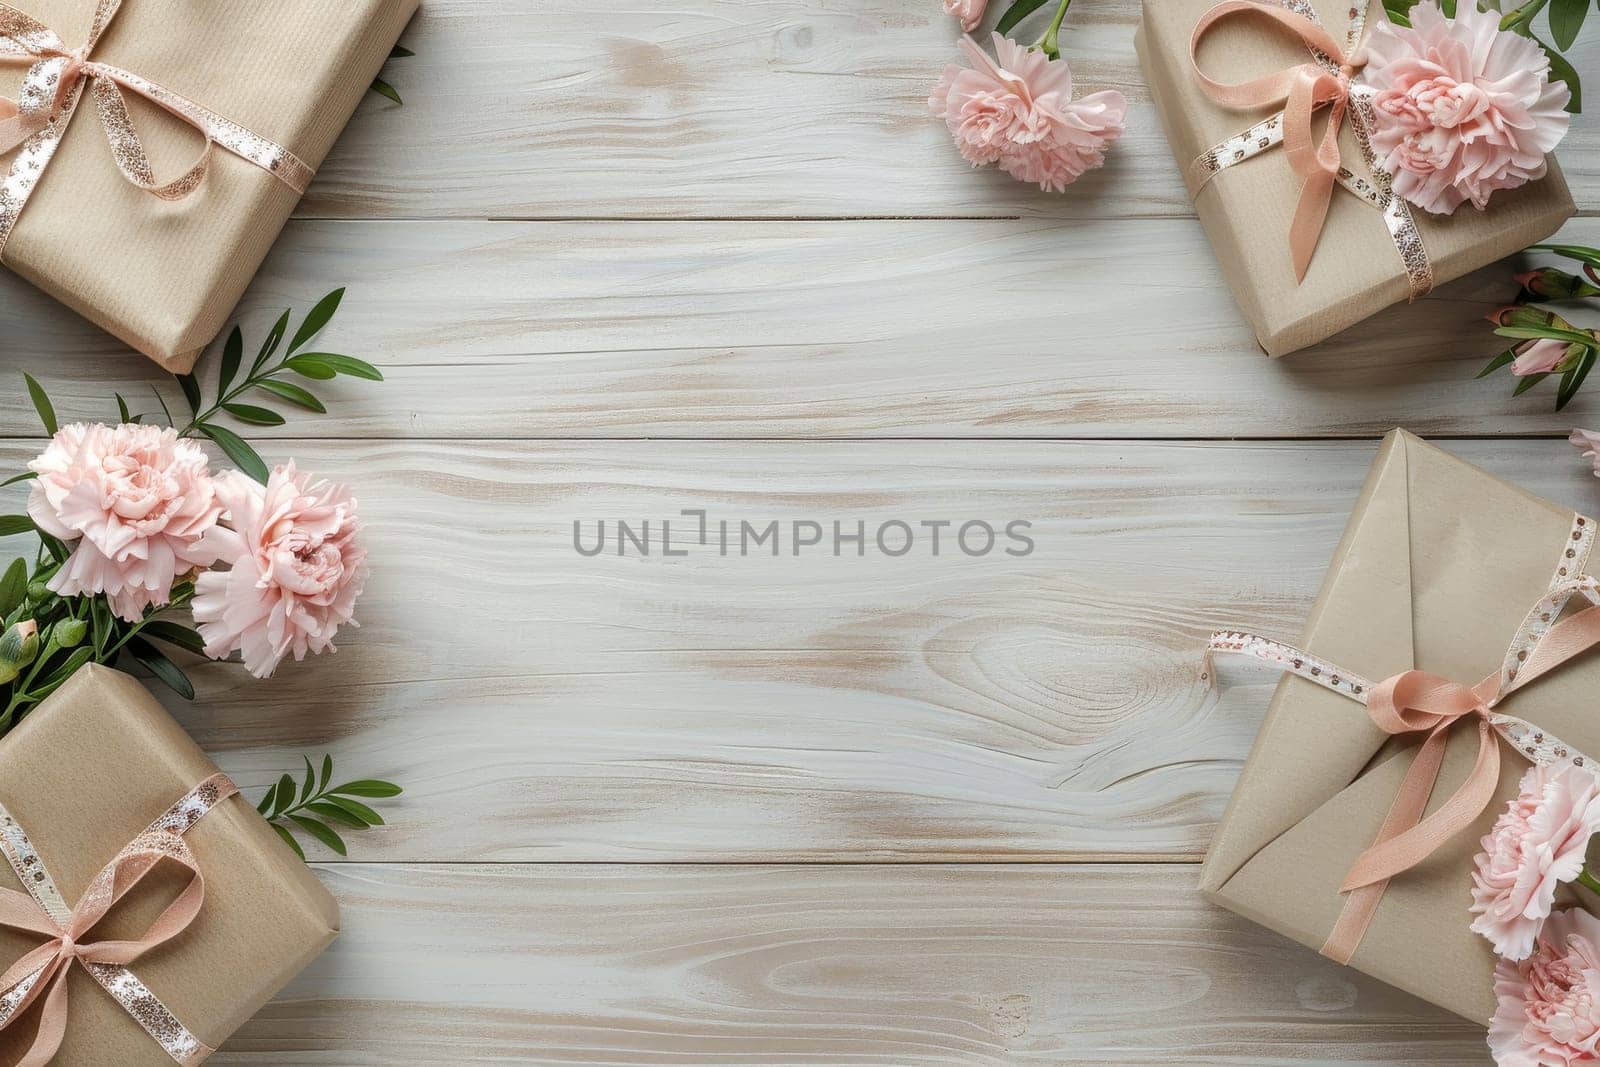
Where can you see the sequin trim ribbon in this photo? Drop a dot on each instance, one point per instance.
(52, 90)
(41, 975)
(1417, 702)
(1329, 81)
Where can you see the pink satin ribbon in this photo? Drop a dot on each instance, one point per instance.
(1416, 702)
(40, 976)
(51, 91)
(1301, 91)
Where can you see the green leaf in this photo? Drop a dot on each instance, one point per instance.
(357, 809)
(400, 51)
(309, 366)
(327, 770)
(237, 450)
(232, 356)
(334, 813)
(191, 391)
(12, 525)
(1566, 19)
(348, 365)
(1016, 13)
(175, 634)
(1399, 11)
(1582, 254)
(274, 339)
(156, 662)
(1572, 381)
(266, 801)
(57, 550)
(369, 787)
(310, 785)
(289, 840)
(1561, 70)
(383, 88)
(1554, 333)
(322, 832)
(123, 414)
(79, 657)
(163, 402)
(41, 404)
(285, 796)
(294, 394)
(13, 587)
(25, 476)
(1528, 383)
(255, 416)
(1508, 356)
(316, 320)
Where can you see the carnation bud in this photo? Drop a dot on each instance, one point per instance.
(19, 645)
(1549, 283)
(37, 591)
(69, 632)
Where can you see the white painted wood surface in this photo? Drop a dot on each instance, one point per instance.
(619, 262)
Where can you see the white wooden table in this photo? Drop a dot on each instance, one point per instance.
(619, 261)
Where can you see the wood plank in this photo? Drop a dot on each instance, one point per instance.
(542, 705)
(731, 108)
(818, 329)
(824, 965)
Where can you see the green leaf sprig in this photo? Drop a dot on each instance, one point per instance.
(269, 375)
(314, 805)
(1564, 19)
(383, 88)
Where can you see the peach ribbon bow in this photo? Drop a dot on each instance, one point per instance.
(52, 88)
(1329, 81)
(1300, 91)
(40, 976)
(1416, 702)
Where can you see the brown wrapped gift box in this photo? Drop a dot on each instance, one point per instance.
(164, 276)
(1247, 209)
(1438, 566)
(83, 774)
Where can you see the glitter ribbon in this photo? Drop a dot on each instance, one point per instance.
(41, 975)
(1418, 702)
(1330, 81)
(52, 89)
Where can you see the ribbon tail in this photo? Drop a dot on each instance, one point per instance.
(1414, 843)
(1309, 216)
(52, 1022)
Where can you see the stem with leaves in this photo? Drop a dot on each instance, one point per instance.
(314, 805)
(1527, 323)
(267, 375)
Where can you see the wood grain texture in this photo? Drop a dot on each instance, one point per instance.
(541, 705)
(732, 109)
(1092, 328)
(1084, 965)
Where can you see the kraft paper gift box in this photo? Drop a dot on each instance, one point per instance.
(1438, 566)
(1246, 209)
(164, 275)
(82, 775)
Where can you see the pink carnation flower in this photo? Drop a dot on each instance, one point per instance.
(1463, 107)
(137, 501)
(1548, 1006)
(1536, 844)
(1019, 113)
(970, 12)
(297, 566)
